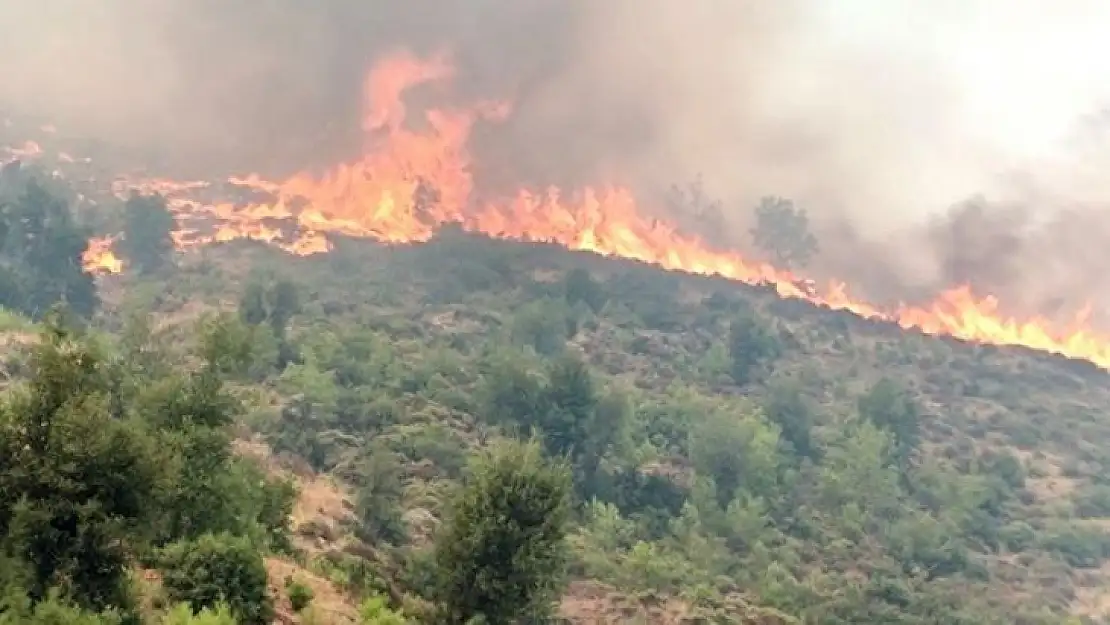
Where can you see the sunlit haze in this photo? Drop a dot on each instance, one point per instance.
(1023, 73)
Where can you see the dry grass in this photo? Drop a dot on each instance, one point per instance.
(329, 605)
(590, 602)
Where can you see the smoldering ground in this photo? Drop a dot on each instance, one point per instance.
(877, 116)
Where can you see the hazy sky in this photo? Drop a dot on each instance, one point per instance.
(875, 115)
(880, 110)
(1023, 70)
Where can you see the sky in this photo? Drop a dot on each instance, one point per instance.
(875, 115)
(1024, 71)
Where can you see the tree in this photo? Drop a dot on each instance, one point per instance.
(782, 231)
(270, 300)
(579, 286)
(75, 482)
(17, 609)
(571, 400)
(750, 345)
(737, 452)
(147, 228)
(543, 325)
(208, 489)
(700, 212)
(41, 249)
(218, 569)
(378, 500)
(375, 611)
(786, 407)
(888, 407)
(501, 552)
(511, 394)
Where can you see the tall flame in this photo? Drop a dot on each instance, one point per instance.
(411, 181)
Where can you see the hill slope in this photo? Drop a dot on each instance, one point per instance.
(735, 453)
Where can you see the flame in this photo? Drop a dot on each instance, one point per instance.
(416, 177)
(100, 258)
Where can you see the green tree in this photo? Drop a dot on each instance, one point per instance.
(782, 231)
(501, 552)
(786, 407)
(209, 489)
(218, 569)
(41, 250)
(751, 345)
(270, 300)
(147, 228)
(541, 325)
(300, 595)
(76, 483)
(375, 611)
(271, 303)
(579, 286)
(889, 407)
(737, 451)
(575, 419)
(227, 346)
(571, 399)
(378, 499)
(17, 609)
(511, 394)
(856, 479)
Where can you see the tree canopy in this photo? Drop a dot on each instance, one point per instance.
(782, 231)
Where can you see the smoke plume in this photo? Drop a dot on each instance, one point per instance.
(876, 115)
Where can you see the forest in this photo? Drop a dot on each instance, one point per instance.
(479, 431)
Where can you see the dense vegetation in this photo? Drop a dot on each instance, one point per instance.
(520, 432)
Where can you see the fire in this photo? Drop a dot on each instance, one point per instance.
(415, 177)
(99, 257)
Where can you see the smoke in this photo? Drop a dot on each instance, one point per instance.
(876, 115)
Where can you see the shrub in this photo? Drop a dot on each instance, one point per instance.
(502, 550)
(215, 569)
(300, 595)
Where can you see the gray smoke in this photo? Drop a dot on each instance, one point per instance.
(877, 115)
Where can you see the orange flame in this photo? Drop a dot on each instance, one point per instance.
(411, 182)
(100, 258)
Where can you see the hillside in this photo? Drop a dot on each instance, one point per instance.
(728, 455)
(844, 471)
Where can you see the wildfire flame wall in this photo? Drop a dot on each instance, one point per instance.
(538, 120)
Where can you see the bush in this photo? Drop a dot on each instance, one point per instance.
(374, 611)
(751, 346)
(1079, 546)
(215, 569)
(1093, 502)
(501, 553)
(299, 594)
(16, 609)
(1017, 536)
(182, 614)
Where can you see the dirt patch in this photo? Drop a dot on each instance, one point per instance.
(329, 606)
(590, 602)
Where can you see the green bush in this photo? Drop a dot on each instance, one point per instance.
(182, 614)
(751, 345)
(299, 594)
(501, 552)
(375, 611)
(215, 569)
(17, 609)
